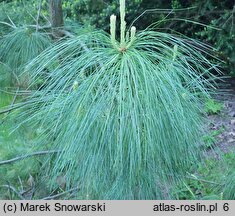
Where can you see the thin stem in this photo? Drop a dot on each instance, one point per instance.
(12, 104)
(28, 155)
(5, 23)
(10, 109)
(161, 11)
(60, 194)
(14, 190)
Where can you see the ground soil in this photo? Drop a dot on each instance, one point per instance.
(226, 118)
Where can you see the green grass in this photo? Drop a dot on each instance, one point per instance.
(213, 107)
(213, 179)
(12, 145)
(210, 139)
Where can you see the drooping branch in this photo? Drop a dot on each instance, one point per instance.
(29, 155)
(41, 27)
(9, 109)
(60, 194)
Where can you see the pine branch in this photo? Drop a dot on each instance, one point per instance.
(40, 27)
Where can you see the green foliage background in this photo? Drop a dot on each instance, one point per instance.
(218, 14)
(96, 13)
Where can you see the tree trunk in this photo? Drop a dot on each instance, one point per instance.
(57, 21)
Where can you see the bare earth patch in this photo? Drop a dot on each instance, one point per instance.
(225, 121)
